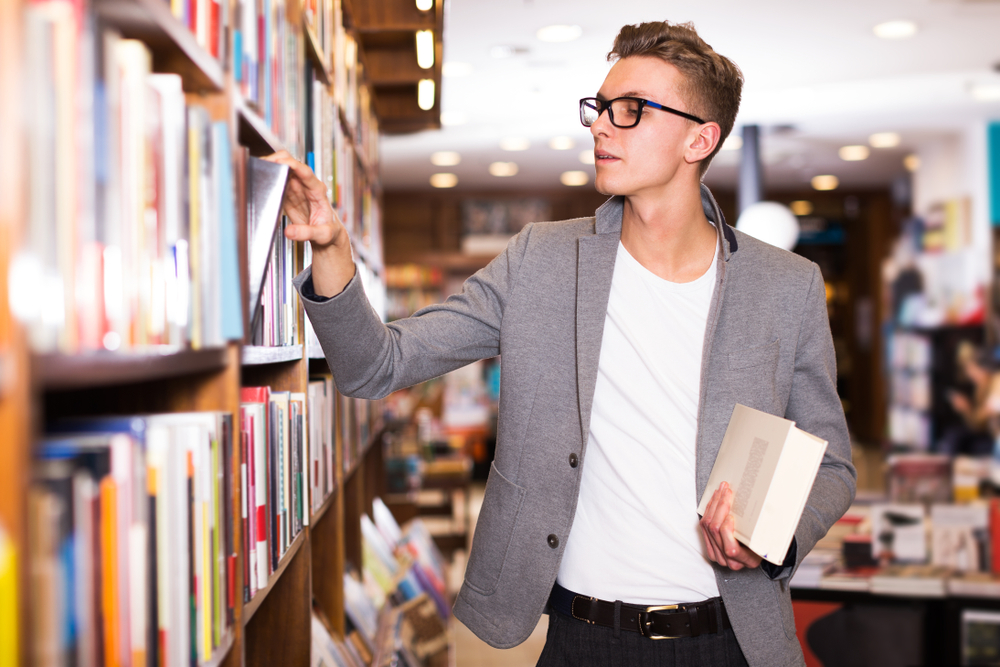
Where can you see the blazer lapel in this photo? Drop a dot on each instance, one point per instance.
(595, 268)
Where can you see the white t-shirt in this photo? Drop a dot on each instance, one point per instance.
(635, 537)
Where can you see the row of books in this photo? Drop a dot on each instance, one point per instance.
(277, 324)
(288, 470)
(132, 217)
(131, 541)
(402, 583)
(208, 21)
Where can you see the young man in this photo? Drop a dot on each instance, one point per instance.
(627, 339)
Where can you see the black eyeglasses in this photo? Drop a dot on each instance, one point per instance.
(623, 112)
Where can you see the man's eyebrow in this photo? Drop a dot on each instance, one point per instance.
(631, 93)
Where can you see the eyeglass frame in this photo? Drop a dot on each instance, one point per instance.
(603, 106)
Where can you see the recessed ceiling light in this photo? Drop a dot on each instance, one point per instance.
(425, 49)
(453, 118)
(503, 169)
(561, 143)
(444, 180)
(733, 142)
(911, 162)
(445, 158)
(559, 33)
(895, 29)
(456, 69)
(825, 182)
(425, 94)
(574, 178)
(801, 207)
(884, 140)
(854, 153)
(985, 92)
(587, 157)
(514, 144)
(424, 5)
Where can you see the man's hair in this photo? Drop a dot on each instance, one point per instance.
(714, 83)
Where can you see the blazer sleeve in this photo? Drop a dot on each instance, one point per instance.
(370, 359)
(816, 408)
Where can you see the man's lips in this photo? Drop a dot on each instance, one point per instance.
(604, 156)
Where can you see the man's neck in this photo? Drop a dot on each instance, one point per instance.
(669, 234)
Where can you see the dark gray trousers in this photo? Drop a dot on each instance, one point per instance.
(574, 643)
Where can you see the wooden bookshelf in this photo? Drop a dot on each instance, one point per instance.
(36, 387)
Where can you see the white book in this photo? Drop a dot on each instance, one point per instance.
(771, 465)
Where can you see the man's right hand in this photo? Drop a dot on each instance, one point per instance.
(312, 219)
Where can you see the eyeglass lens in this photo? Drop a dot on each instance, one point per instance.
(624, 112)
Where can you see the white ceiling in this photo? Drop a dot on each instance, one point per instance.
(817, 78)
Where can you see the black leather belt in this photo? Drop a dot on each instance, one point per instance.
(656, 622)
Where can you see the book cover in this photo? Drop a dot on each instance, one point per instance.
(770, 466)
(898, 533)
(265, 186)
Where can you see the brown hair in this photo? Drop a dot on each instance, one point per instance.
(714, 83)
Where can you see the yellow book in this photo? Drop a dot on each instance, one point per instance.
(8, 602)
(109, 571)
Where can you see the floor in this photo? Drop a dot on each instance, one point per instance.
(470, 651)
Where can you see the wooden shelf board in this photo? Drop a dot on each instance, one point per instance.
(255, 355)
(251, 607)
(62, 371)
(152, 21)
(315, 53)
(254, 132)
(318, 514)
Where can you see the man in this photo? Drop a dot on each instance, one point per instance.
(626, 339)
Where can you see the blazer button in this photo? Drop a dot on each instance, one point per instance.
(574, 460)
(553, 541)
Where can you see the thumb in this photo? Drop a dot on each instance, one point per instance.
(322, 235)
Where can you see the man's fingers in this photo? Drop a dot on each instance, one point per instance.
(319, 234)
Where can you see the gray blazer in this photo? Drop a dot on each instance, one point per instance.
(541, 305)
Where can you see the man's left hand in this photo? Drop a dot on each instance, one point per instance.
(718, 526)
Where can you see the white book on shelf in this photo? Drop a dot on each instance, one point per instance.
(771, 465)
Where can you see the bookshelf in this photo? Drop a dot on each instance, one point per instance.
(69, 367)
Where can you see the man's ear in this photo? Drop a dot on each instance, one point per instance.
(704, 141)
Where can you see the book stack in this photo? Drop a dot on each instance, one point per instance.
(132, 212)
(133, 557)
(274, 479)
(322, 446)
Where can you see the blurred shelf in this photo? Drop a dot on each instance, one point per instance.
(250, 608)
(318, 514)
(254, 132)
(174, 46)
(66, 371)
(257, 355)
(315, 53)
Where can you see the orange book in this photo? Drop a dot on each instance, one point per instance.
(109, 568)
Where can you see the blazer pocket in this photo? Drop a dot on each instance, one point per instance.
(755, 356)
(494, 531)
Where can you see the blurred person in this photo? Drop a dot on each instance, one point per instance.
(627, 339)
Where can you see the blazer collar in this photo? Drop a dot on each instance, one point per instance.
(609, 220)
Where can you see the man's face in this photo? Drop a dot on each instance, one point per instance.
(643, 159)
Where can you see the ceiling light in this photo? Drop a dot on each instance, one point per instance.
(455, 69)
(911, 162)
(884, 140)
(444, 180)
(733, 142)
(559, 33)
(825, 182)
(453, 118)
(574, 178)
(985, 92)
(503, 169)
(514, 144)
(854, 153)
(561, 143)
(425, 49)
(424, 5)
(587, 157)
(801, 207)
(445, 158)
(895, 29)
(425, 94)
